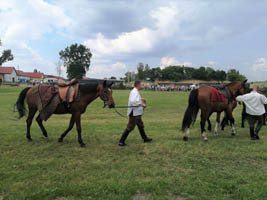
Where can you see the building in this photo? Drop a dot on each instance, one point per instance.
(35, 77)
(8, 75)
(51, 78)
(23, 77)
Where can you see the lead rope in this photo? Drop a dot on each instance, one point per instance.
(123, 116)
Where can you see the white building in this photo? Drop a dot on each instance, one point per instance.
(8, 75)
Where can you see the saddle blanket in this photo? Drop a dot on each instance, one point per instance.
(47, 100)
(216, 96)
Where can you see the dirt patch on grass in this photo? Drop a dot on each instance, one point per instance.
(1, 197)
(176, 198)
(60, 198)
(141, 196)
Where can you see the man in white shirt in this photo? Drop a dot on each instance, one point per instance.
(136, 106)
(255, 109)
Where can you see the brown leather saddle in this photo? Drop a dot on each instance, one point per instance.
(68, 91)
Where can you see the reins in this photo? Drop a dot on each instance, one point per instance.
(121, 115)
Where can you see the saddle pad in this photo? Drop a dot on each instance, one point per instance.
(46, 92)
(216, 96)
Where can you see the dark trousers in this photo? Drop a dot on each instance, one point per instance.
(133, 121)
(252, 120)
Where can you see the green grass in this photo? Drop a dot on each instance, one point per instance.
(225, 167)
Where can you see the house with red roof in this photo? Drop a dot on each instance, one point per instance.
(51, 78)
(8, 75)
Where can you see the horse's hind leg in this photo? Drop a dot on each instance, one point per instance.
(217, 123)
(71, 124)
(204, 117)
(40, 123)
(32, 111)
(209, 123)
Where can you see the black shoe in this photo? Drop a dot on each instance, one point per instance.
(122, 144)
(257, 137)
(253, 138)
(147, 140)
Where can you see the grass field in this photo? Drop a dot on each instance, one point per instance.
(225, 167)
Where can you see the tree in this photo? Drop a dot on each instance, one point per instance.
(58, 67)
(6, 56)
(77, 60)
(234, 75)
(140, 71)
(113, 78)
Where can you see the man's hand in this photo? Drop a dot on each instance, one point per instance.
(143, 105)
(144, 100)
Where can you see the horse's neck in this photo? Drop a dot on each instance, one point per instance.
(233, 90)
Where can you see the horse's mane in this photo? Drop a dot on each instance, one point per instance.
(230, 84)
(86, 88)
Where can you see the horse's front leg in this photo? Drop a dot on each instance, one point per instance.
(79, 130)
(204, 118)
(232, 120)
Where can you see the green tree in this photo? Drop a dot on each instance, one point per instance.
(234, 75)
(113, 78)
(77, 60)
(6, 55)
(200, 74)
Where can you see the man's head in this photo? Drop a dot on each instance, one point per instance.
(138, 85)
(256, 88)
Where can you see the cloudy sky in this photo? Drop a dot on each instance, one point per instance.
(121, 33)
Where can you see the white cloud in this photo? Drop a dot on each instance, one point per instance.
(212, 63)
(260, 65)
(117, 69)
(136, 41)
(24, 21)
(171, 61)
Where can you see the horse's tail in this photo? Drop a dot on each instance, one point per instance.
(191, 110)
(20, 102)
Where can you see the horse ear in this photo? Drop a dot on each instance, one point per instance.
(111, 84)
(245, 80)
(105, 83)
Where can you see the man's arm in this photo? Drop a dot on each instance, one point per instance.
(263, 99)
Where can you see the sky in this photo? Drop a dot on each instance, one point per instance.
(121, 33)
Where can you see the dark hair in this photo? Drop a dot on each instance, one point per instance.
(136, 83)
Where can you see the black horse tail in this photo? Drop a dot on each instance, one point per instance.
(20, 102)
(191, 110)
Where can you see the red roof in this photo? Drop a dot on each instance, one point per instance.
(34, 74)
(52, 76)
(6, 70)
(21, 73)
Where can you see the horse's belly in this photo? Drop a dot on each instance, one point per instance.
(61, 109)
(218, 106)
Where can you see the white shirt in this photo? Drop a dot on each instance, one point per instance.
(254, 103)
(135, 100)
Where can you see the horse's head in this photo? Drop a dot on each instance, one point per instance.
(105, 95)
(242, 88)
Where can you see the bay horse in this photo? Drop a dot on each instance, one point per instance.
(88, 92)
(200, 99)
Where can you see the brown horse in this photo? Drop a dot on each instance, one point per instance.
(87, 93)
(200, 99)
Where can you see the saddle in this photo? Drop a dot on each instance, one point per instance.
(219, 95)
(68, 91)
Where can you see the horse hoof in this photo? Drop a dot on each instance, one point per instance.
(46, 139)
(60, 140)
(242, 126)
(233, 134)
(29, 139)
(205, 139)
(185, 138)
(83, 145)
